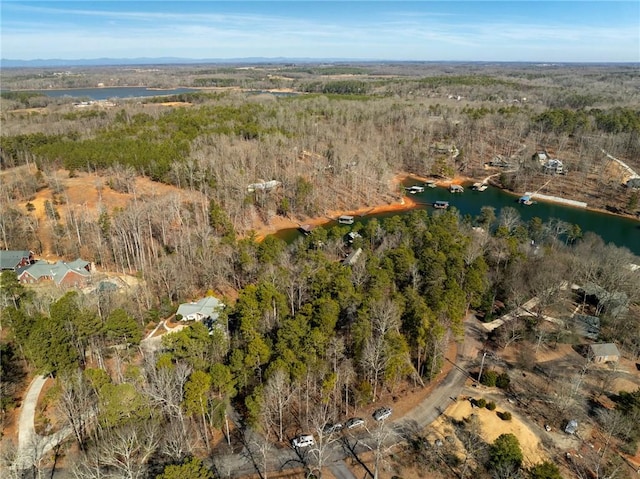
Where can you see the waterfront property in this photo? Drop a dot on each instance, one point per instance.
(480, 186)
(305, 229)
(554, 166)
(415, 189)
(345, 220)
(456, 189)
(621, 231)
(441, 205)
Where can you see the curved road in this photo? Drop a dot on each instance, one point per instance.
(31, 446)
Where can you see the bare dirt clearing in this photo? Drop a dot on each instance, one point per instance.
(492, 427)
(88, 195)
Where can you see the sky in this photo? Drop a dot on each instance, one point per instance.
(516, 30)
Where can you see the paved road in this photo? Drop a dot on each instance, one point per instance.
(241, 463)
(26, 427)
(341, 471)
(422, 415)
(434, 405)
(32, 446)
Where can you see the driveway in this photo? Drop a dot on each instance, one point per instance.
(31, 446)
(434, 405)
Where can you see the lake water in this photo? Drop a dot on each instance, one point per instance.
(112, 92)
(108, 93)
(613, 229)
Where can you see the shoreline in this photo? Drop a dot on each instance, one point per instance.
(407, 203)
(280, 223)
(160, 89)
(458, 180)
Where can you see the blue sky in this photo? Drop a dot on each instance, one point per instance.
(545, 31)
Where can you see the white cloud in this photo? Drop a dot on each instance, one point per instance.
(401, 36)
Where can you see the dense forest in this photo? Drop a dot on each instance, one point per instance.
(305, 339)
(309, 339)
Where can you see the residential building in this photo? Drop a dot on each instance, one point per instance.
(207, 308)
(604, 353)
(554, 166)
(75, 273)
(11, 260)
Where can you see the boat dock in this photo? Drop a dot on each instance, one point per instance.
(480, 186)
(530, 199)
(345, 220)
(556, 199)
(305, 229)
(456, 189)
(441, 205)
(525, 199)
(415, 189)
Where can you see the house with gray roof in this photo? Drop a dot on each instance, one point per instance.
(604, 353)
(11, 260)
(587, 326)
(571, 427)
(633, 182)
(75, 273)
(207, 308)
(613, 302)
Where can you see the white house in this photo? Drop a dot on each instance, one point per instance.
(205, 308)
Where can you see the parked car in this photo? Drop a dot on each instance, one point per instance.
(354, 422)
(331, 428)
(382, 413)
(305, 440)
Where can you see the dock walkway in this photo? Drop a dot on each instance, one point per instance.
(557, 199)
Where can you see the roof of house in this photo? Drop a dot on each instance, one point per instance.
(613, 301)
(587, 326)
(605, 349)
(571, 427)
(9, 259)
(633, 182)
(553, 163)
(352, 257)
(38, 269)
(57, 271)
(207, 307)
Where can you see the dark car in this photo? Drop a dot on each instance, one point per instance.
(331, 428)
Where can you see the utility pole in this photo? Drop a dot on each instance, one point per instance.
(484, 355)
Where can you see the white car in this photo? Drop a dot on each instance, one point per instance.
(303, 441)
(354, 422)
(382, 413)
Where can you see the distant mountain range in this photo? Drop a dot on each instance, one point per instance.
(58, 62)
(88, 62)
